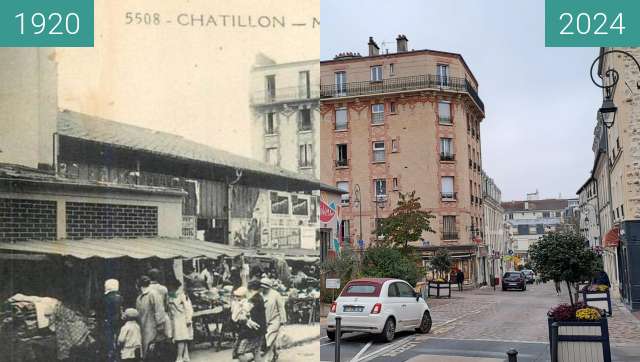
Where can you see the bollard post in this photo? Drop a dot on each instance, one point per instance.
(554, 342)
(512, 355)
(338, 335)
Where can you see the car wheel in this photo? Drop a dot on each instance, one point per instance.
(331, 335)
(524, 287)
(504, 289)
(389, 331)
(425, 324)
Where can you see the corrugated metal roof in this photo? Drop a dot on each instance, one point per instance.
(25, 174)
(134, 248)
(91, 128)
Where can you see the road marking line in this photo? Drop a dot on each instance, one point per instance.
(486, 340)
(364, 349)
(384, 349)
(326, 344)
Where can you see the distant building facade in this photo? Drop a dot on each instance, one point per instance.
(532, 218)
(399, 122)
(589, 214)
(285, 108)
(494, 237)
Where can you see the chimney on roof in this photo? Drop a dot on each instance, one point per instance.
(526, 205)
(402, 43)
(374, 49)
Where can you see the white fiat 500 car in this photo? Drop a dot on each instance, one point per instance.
(381, 306)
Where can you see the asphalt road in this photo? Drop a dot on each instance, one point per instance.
(481, 324)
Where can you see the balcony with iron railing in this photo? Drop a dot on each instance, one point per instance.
(444, 156)
(450, 235)
(342, 162)
(400, 84)
(285, 95)
(449, 196)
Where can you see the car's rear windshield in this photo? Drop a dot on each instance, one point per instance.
(512, 275)
(361, 289)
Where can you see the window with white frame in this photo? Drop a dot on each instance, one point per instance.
(393, 107)
(378, 151)
(392, 69)
(444, 112)
(270, 123)
(306, 155)
(380, 187)
(443, 75)
(342, 155)
(446, 147)
(341, 83)
(447, 187)
(377, 113)
(395, 184)
(341, 118)
(376, 73)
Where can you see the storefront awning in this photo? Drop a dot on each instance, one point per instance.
(117, 248)
(612, 238)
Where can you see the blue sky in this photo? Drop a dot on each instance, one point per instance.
(540, 102)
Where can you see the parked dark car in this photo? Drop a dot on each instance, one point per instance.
(529, 276)
(514, 280)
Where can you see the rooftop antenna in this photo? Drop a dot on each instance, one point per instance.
(383, 45)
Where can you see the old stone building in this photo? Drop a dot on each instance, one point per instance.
(399, 122)
(494, 238)
(285, 108)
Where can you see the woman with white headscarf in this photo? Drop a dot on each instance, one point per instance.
(109, 315)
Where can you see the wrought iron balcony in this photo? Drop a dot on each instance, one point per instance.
(447, 156)
(342, 163)
(412, 83)
(449, 235)
(285, 95)
(449, 196)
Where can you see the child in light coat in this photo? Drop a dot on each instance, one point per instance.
(130, 338)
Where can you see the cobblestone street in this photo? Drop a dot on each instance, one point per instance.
(486, 323)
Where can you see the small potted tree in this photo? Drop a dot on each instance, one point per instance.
(576, 328)
(440, 264)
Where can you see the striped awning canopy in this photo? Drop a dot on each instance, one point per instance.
(612, 237)
(162, 248)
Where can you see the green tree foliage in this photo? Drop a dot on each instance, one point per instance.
(441, 262)
(564, 256)
(386, 262)
(343, 267)
(406, 223)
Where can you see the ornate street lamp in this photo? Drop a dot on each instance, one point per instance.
(608, 110)
(607, 113)
(358, 199)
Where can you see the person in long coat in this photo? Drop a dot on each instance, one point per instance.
(276, 316)
(181, 314)
(109, 315)
(460, 279)
(153, 318)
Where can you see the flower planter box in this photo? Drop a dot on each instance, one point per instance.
(600, 300)
(579, 341)
(439, 290)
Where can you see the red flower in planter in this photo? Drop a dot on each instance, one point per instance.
(565, 311)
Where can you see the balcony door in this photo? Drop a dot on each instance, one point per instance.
(443, 75)
(270, 87)
(304, 88)
(341, 83)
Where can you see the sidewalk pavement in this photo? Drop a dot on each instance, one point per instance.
(291, 335)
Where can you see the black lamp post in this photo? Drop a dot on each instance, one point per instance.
(357, 199)
(608, 110)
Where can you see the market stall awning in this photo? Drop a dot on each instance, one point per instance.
(162, 248)
(612, 237)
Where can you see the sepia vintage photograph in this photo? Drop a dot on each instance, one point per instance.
(159, 192)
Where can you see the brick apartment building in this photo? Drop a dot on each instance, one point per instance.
(404, 121)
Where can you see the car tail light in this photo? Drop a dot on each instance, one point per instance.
(333, 307)
(376, 308)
